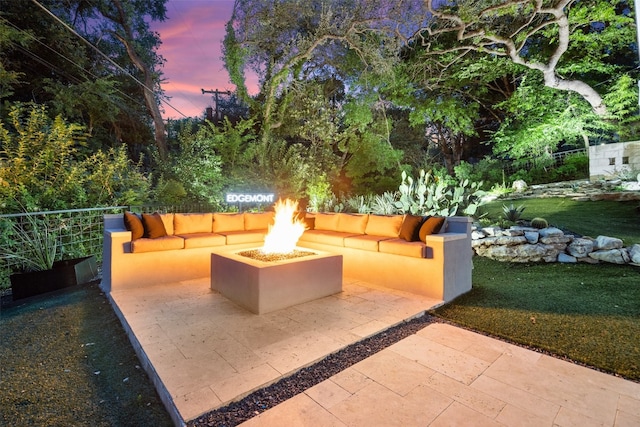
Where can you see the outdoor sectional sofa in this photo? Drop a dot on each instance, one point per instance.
(383, 250)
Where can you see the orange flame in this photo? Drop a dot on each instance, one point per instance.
(283, 235)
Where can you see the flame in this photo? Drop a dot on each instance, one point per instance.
(283, 235)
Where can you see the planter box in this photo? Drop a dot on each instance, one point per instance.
(63, 274)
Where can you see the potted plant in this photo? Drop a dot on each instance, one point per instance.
(35, 245)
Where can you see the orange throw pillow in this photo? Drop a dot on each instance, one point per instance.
(432, 225)
(153, 226)
(133, 223)
(410, 230)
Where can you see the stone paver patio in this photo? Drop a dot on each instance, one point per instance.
(202, 352)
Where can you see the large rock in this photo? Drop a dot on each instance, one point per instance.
(492, 231)
(552, 240)
(503, 240)
(520, 253)
(519, 185)
(580, 247)
(605, 243)
(532, 236)
(551, 232)
(634, 254)
(614, 256)
(564, 258)
(477, 234)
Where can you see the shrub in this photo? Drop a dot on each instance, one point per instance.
(43, 167)
(429, 195)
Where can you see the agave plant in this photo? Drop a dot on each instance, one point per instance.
(511, 213)
(33, 245)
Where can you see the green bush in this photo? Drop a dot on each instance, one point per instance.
(429, 195)
(44, 168)
(574, 166)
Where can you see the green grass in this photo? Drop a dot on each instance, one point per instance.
(614, 219)
(65, 360)
(587, 313)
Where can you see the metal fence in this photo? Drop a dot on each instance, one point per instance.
(556, 158)
(77, 233)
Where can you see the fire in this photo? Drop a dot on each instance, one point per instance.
(283, 235)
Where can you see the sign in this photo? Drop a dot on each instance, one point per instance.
(250, 198)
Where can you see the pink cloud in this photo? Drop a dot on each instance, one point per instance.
(192, 47)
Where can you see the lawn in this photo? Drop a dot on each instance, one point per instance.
(614, 219)
(65, 360)
(587, 313)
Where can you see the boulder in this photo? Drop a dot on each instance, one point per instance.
(552, 240)
(564, 258)
(605, 243)
(532, 236)
(614, 256)
(634, 254)
(477, 234)
(588, 260)
(492, 231)
(519, 185)
(503, 240)
(580, 247)
(513, 232)
(551, 232)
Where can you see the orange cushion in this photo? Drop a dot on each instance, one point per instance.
(133, 223)
(352, 223)
(384, 225)
(326, 221)
(165, 243)
(228, 222)
(431, 226)
(258, 221)
(153, 226)
(410, 230)
(167, 220)
(187, 223)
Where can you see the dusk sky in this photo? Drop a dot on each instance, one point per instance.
(191, 45)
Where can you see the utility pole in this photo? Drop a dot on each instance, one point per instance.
(216, 93)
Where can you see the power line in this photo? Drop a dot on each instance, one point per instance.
(64, 24)
(53, 67)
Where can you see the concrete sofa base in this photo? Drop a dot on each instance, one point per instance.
(443, 273)
(444, 276)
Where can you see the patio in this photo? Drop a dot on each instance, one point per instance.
(202, 352)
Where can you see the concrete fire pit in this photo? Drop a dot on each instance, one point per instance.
(262, 287)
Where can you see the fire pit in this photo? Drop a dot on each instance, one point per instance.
(279, 274)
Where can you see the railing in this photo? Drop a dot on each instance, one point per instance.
(557, 158)
(78, 233)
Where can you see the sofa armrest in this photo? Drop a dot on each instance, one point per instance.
(458, 224)
(118, 240)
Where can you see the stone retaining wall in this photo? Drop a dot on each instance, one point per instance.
(527, 244)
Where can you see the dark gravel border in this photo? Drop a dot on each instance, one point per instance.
(266, 398)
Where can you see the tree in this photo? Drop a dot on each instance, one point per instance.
(70, 58)
(282, 41)
(127, 24)
(536, 34)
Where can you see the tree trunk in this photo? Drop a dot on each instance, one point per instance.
(149, 96)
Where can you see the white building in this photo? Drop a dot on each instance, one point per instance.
(607, 161)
